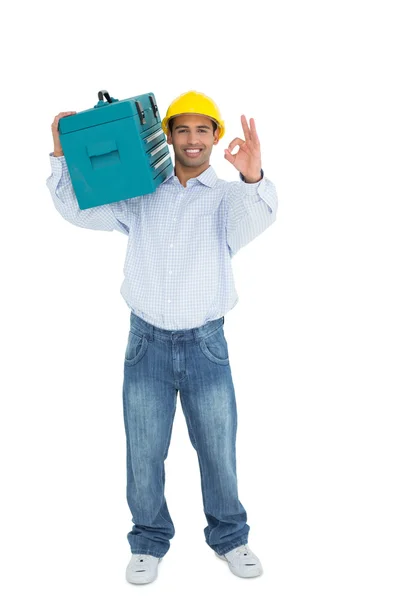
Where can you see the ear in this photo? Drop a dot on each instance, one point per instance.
(216, 137)
(169, 137)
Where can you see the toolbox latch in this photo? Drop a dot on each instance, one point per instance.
(140, 112)
(154, 106)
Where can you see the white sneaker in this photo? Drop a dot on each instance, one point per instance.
(142, 568)
(242, 562)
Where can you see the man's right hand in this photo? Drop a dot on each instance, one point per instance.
(58, 151)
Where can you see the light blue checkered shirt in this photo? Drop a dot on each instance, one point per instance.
(177, 272)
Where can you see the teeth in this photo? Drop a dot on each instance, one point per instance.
(192, 151)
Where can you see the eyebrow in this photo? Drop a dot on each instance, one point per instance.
(199, 126)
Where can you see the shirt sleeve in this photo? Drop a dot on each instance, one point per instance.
(251, 208)
(106, 217)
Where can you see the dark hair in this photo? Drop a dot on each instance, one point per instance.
(171, 121)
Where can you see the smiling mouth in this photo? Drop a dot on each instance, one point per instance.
(193, 153)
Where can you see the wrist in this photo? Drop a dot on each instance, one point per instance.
(58, 153)
(253, 178)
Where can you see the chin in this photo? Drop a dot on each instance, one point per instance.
(193, 163)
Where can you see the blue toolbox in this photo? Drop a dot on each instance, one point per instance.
(115, 150)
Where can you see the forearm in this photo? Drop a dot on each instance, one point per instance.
(251, 208)
(65, 201)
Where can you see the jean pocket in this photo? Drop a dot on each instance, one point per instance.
(136, 348)
(215, 348)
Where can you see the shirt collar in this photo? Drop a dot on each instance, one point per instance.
(207, 177)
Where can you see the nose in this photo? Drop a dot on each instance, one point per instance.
(192, 137)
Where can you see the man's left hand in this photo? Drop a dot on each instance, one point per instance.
(247, 159)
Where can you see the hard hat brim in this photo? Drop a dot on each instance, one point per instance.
(192, 113)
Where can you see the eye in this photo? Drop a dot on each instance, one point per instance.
(185, 130)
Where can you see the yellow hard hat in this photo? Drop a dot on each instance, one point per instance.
(193, 103)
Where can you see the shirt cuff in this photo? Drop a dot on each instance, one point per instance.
(260, 190)
(252, 185)
(58, 161)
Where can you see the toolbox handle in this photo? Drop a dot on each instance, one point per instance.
(100, 148)
(102, 93)
(101, 102)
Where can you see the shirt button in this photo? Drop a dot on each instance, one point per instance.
(174, 219)
(169, 301)
(170, 272)
(171, 245)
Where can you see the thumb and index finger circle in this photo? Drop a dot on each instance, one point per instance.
(236, 142)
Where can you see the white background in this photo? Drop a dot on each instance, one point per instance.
(313, 341)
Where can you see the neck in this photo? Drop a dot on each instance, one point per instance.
(184, 173)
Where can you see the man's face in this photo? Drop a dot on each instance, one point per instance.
(192, 132)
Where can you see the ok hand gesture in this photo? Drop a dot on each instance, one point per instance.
(247, 159)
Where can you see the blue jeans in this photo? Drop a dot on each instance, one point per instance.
(158, 363)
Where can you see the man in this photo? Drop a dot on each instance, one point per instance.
(179, 285)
